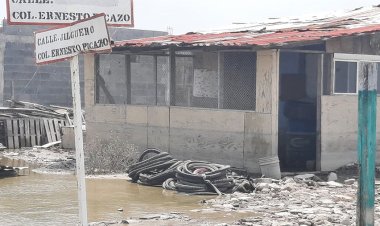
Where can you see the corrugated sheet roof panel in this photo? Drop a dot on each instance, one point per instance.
(273, 32)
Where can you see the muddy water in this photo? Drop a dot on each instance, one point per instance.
(38, 199)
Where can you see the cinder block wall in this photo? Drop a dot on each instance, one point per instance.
(48, 84)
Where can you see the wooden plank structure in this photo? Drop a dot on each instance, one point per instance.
(28, 132)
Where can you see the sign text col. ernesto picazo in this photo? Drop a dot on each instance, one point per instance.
(53, 12)
(90, 35)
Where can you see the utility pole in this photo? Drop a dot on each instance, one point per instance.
(366, 143)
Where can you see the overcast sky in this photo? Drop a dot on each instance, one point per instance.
(194, 15)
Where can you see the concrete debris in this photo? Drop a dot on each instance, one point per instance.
(289, 180)
(304, 177)
(334, 184)
(168, 216)
(290, 203)
(332, 177)
(107, 223)
(263, 180)
(349, 181)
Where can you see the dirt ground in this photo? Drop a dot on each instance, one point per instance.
(301, 200)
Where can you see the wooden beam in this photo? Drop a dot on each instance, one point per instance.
(275, 98)
(320, 77)
(366, 142)
(10, 134)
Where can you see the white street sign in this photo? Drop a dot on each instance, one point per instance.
(54, 12)
(86, 36)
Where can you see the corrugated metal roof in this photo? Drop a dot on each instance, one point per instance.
(274, 32)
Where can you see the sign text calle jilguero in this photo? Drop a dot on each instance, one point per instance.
(61, 43)
(54, 12)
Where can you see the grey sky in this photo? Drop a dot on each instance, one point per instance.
(193, 15)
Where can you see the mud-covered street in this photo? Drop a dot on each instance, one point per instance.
(305, 199)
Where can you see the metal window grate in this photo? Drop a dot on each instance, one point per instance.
(143, 85)
(111, 85)
(239, 81)
(202, 79)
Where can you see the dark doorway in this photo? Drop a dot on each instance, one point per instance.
(297, 134)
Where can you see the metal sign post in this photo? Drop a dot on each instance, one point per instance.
(366, 143)
(86, 36)
(79, 154)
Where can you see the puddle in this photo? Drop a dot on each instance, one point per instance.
(39, 199)
(25, 168)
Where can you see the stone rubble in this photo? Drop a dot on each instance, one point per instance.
(332, 177)
(301, 200)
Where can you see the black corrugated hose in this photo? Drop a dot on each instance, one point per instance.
(155, 167)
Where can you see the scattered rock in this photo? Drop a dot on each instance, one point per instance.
(311, 183)
(264, 180)
(349, 181)
(150, 217)
(304, 177)
(261, 186)
(289, 181)
(274, 187)
(334, 184)
(120, 210)
(228, 206)
(345, 198)
(287, 187)
(322, 183)
(332, 177)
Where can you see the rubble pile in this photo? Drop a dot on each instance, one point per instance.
(299, 200)
(194, 177)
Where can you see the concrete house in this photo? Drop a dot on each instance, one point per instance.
(286, 87)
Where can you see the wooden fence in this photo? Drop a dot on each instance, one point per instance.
(29, 132)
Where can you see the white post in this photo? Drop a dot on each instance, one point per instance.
(80, 173)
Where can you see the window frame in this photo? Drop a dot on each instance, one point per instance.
(357, 58)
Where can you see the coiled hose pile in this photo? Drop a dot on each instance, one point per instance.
(194, 177)
(200, 177)
(154, 170)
